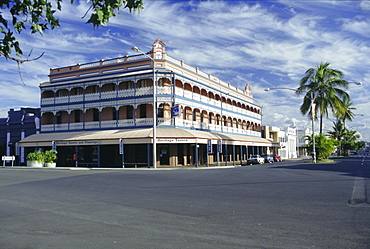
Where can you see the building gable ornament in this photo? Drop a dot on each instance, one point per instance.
(159, 49)
(247, 90)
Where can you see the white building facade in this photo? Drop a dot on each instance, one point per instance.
(284, 141)
(302, 141)
(291, 142)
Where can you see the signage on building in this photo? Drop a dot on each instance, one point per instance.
(176, 111)
(209, 146)
(121, 146)
(77, 142)
(53, 145)
(175, 140)
(219, 146)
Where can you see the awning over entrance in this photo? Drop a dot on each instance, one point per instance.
(139, 136)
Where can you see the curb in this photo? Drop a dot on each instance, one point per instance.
(118, 169)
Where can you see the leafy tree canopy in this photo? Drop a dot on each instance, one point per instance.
(322, 86)
(38, 15)
(324, 146)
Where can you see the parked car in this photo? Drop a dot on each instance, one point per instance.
(268, 158)
(277, 158)
(353, 152)
(256, 159)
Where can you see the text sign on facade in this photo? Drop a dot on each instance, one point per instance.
(209, 146)
(77, 142)
(121, 146)
(219, 146)
(176, 111)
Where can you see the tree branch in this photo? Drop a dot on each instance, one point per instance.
(21, 60)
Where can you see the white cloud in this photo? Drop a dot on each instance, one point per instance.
(365, 4)
(24, 94)
(360, 27)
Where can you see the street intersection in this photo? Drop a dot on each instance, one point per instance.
(291, 204)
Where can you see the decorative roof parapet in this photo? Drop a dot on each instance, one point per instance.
(158, 53)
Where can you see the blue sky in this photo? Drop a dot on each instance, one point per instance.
(263, 43)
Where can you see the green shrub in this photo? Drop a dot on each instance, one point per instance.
(324, 146)
(50, 156)
(36, 156)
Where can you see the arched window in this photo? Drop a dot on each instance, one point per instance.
(62, 93)
(47, 118)
(76, 116)
(109, 113)
(108, 87)
(160, 113)
(92, 89)
(47, 94)
(142, 110)
(196, 115)
(123, 85)
(178, 83)
(76, 91)
(164, 82)
(61, 117)
(92, 115)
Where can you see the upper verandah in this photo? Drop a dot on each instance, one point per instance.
(126, 64)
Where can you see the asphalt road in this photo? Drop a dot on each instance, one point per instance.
(280, 205)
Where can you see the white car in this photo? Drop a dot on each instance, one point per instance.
(256, 159)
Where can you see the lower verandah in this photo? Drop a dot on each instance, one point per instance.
(140, 155)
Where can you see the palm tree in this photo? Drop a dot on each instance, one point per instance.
(345, 112)
(349, 139)
(339, 130)
(345, 137)
(338, 133)
(320, 86)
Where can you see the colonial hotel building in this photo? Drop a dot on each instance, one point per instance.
(100, 114)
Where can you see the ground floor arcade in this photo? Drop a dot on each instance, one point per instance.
(133, 148)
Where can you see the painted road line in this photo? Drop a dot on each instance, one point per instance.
(359, 189)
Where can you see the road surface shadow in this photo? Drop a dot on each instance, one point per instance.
(347, 166)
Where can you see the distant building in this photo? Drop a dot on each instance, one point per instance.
(302, 142)
(284, 142)
(272, 134)
(291, 142)
(100, 114)
(18, 125)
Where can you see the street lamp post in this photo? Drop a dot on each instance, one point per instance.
(356, 126)
(313, 128)
(154, 108)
